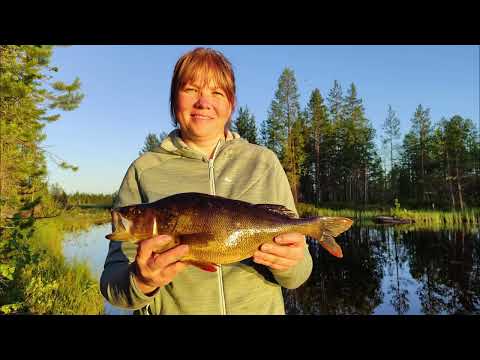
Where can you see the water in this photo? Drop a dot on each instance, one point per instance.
(92, 247)
(384, 271)
(389, 271)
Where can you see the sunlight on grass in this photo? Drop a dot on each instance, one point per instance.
(50, 285)
(424, 219)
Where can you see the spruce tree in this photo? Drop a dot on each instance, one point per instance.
(421, 127)
(335, 102)
(279, 132)
(317, 143)
(391, 129)
(28, 98)
(245, 125)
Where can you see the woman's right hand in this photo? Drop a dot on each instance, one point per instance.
(153, 270)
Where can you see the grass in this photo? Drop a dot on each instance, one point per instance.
(425, 219)
(468, 217)
(53, 286)
(48, 284)
(49, 232)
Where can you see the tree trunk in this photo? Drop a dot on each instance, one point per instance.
(318, 196)
(352, 180)
(391, 167)
(365, 186)
(422, 174)
(459, 187)
(448, 179)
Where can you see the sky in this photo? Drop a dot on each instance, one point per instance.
(127, 93)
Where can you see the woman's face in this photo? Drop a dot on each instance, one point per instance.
(202, 112)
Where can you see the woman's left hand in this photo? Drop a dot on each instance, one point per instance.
(286, 252)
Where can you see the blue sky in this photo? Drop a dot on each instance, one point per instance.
(127, 90)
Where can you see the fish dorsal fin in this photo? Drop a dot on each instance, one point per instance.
(278, 209)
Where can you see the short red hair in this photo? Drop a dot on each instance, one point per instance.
(205, 64)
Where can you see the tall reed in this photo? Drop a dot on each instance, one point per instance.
(422, 218)
(51, 285)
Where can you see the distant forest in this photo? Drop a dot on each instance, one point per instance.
(329, 154)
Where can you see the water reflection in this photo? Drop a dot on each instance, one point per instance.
(385, 270)
(393, 270)
(92, 247)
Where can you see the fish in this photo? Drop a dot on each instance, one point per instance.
(219, 230)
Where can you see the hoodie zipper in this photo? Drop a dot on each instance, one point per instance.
(211, 176)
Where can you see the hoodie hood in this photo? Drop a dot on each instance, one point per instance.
(173, 144)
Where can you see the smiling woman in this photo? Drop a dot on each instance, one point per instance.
(202, 98)
(196, 157)
(203, 113)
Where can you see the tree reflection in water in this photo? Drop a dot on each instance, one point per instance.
(393, 270)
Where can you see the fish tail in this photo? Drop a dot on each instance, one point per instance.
(325, 229)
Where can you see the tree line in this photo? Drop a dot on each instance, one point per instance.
(29, 99)
(329, 154)
(64, 201)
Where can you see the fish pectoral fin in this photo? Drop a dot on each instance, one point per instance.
(197, 239)
(328, 242)
(206, 266)
(278, 209)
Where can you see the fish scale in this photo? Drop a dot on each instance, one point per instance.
(219, 230)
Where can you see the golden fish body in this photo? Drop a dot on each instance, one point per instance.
(219, 230)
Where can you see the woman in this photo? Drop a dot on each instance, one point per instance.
(202, 155)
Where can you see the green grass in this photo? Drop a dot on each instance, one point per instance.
(49, 232)
(312, 210)
(53, 286)
(424, 219)
(468, 217)
(48, 284)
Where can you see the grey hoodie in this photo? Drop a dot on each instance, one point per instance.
(238, 170)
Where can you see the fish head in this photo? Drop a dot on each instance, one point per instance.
(132, 223)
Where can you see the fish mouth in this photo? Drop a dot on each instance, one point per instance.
(121, 227)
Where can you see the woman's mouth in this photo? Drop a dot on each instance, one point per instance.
(200, 117)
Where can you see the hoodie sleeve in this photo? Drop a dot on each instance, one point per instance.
(279, 187)
(117, 282)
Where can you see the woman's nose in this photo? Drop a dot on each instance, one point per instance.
(203, 102)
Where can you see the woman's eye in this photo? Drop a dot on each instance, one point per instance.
(190, 90)
(218, 93)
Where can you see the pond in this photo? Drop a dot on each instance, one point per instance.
(389, 271)
(384, 271)
(92, 247)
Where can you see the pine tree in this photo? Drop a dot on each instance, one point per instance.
(352, 143)
(391, 128)
(421, 126)
(336, 140)
(408, 165)
(335, 102)
(278, 130)
(319, 161)
(282, 114)
(352, 105)
(27, 99)
(264, 134)
(459, 135)
(151, 142)
(245, 125)
(295, 157)
(26, 103)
